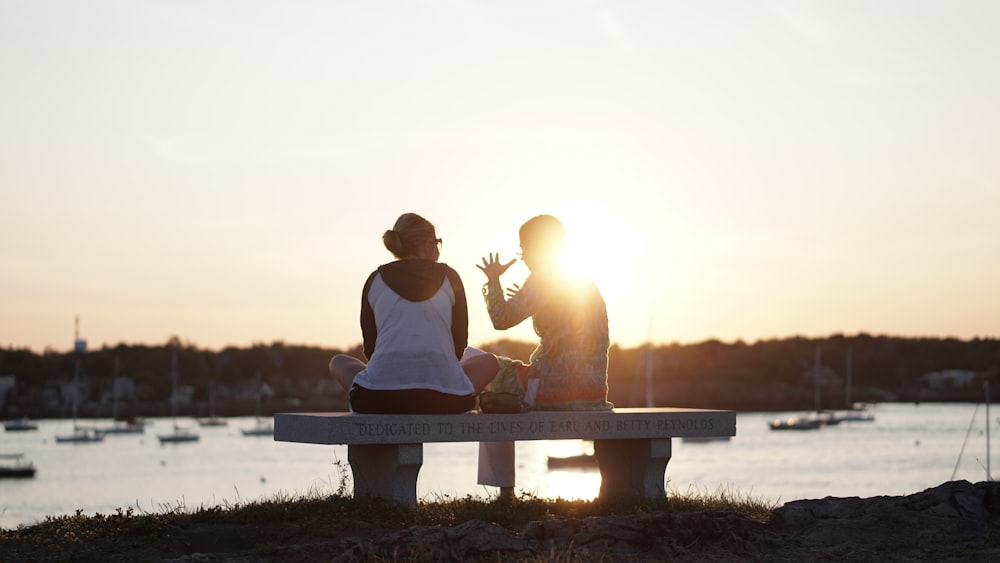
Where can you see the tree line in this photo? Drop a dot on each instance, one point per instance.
(774, 374)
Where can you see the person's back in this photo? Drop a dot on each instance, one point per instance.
(415, 325)
(412, 303)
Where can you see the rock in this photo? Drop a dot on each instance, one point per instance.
(470, 540)
(951, 516)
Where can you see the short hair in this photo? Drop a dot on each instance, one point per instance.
(544, 234)
(409, 232)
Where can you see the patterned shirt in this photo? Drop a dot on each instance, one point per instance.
(571, 320)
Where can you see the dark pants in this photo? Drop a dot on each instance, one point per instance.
(408, 401)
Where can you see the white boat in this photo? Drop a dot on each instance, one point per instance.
(17, 468)
(855, 412)
(858, 413)
(22, 424)
(80, 434)
(806, 422)
(211, 419)
(797, 423)
(119, 426)
(260, 427)
(132, 426)
(179, 434)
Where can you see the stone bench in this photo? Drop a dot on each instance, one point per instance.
(385, 451)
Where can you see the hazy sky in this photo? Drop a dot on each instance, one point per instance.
(223, 171)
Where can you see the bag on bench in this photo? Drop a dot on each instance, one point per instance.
(501, 403)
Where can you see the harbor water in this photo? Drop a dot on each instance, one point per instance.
(906, 449)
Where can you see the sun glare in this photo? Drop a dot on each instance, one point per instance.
(603, 247)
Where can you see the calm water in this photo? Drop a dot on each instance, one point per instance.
(907, 449)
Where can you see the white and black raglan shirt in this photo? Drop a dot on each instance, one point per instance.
(415, 324)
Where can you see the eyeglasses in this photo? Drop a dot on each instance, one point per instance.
(439, 242)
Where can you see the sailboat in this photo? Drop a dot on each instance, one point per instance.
(80, 435)
(23, 424)
(854, 412)
(806, 422)
(179, 434)
(261, 427)
(16, 468)
(211, 419)
(131, 426)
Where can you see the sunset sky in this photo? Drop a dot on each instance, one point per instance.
(223, 171)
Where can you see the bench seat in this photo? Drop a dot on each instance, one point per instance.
(385, 451)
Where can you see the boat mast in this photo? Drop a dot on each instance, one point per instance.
(173, 388)
(76, 390)
(649, 367)
(114, 391)
(847, 398)
(816, 377)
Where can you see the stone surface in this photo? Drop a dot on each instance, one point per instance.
(352, 428)
(954, 515)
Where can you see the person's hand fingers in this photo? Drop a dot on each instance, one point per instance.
(512, 291)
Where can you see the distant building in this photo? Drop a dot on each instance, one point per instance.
(182, 396)
(948, 379)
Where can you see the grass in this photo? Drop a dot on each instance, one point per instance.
(271, 525)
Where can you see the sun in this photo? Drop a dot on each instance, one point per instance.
(603, 247)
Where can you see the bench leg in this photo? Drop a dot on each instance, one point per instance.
(632, 468)
(386, 470)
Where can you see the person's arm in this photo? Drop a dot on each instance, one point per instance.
(369, 332)
(459, 314)
(503, 313)
(506, 313)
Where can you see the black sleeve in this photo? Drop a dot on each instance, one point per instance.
(459, 314)
(369, 332)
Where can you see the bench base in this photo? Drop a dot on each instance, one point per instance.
(386, 470)
(630, 469)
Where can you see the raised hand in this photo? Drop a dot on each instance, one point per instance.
(512, 291)
(492, 266)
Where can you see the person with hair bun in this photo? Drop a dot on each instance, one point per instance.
(415, 327)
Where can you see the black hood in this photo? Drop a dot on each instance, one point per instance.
(414, 279)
